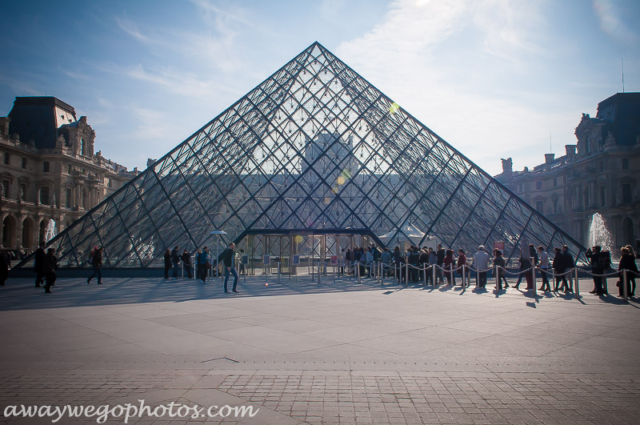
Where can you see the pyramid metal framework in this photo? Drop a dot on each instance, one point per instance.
(313, 148)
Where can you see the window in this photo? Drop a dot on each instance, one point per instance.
(69, 169)
(7, 158)
(67, 201)
(24, 163)
(625, 163)
(23, 191)
(45, 166)
(587, 198)
(626, 193)
(82, 147)
(6, 186)
(110, 184)
(539, 206)
(602, 197)
(44, 195)
(538, 185)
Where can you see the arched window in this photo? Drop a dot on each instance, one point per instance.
(82, 147)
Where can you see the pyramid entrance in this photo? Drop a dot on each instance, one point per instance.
(314, 151)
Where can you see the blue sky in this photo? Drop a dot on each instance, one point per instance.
(494, 78)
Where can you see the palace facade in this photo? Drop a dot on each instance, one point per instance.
(50, 172)
(599, 174)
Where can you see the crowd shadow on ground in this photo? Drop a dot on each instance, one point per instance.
(20, 294)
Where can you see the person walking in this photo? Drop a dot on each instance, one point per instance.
(500, 263)
(5, 266)
(544, 267)
(481, 263)
(203, 264)
(167, 263)
(50, 266)
(631, 277)
(175, 260)
(39, 264)
(96, 262)
(186, 263)
(229, 267)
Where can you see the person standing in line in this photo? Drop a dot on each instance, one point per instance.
(499, 262)
(186, 263)
(631, 277)
(628, 263)
(481, 263)
(569, 265)
(462, 263)
(241, 266)
(96, 262)
(347, 259)
(544, 267)
(440, 253)
(593, 254)
(5, 266)
(369, 261)
(175, 260)
(39, 264)
(525, 265)
(423, 260)
(433, 261)
(386, 262)
(50, 267)
(167, 263)
(558, 268)
(229, 267)
(448, 263)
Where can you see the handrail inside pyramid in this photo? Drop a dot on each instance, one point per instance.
(313, 147)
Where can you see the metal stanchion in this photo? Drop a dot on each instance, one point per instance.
(406, 277)
(497, 279)
(357, 266)
(424, 271)
(433, 275)
(576, 289)
(313, 276)
(625, 290)
(535, 285)
(451, 275)
(319, 273)
(278, 271)
(464, 276)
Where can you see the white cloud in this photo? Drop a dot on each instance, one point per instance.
(409, 57)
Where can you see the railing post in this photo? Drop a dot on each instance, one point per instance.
(533, 275)
(357, 265)
(576, 288)
(278, 272)
(319, 273)
(406, 278)
(624, 282)
(464, 266)
(451, 275)
(497, 278)
(424, 271)
(433, 275)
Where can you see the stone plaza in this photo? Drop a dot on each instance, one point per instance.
(329, 352)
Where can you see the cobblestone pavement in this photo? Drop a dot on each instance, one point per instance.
(329, 353)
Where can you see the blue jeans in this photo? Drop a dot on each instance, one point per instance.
(226, 277)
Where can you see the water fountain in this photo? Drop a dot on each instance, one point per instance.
(599, 234)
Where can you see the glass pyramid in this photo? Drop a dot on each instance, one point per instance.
(314, 149)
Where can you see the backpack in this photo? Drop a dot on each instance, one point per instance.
(604, 262)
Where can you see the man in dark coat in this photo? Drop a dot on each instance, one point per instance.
(440, 253)
(5, 266)
(50, 266)
(186, 263)
(568, 265)
(593, 254)
(39, 264)
(96, 262)
(175, 259)
(228, 257)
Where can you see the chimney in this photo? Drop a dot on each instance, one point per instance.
(549, 157)
(571, 150)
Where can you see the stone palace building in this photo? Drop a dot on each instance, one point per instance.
(598, 175)
(49, 171)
